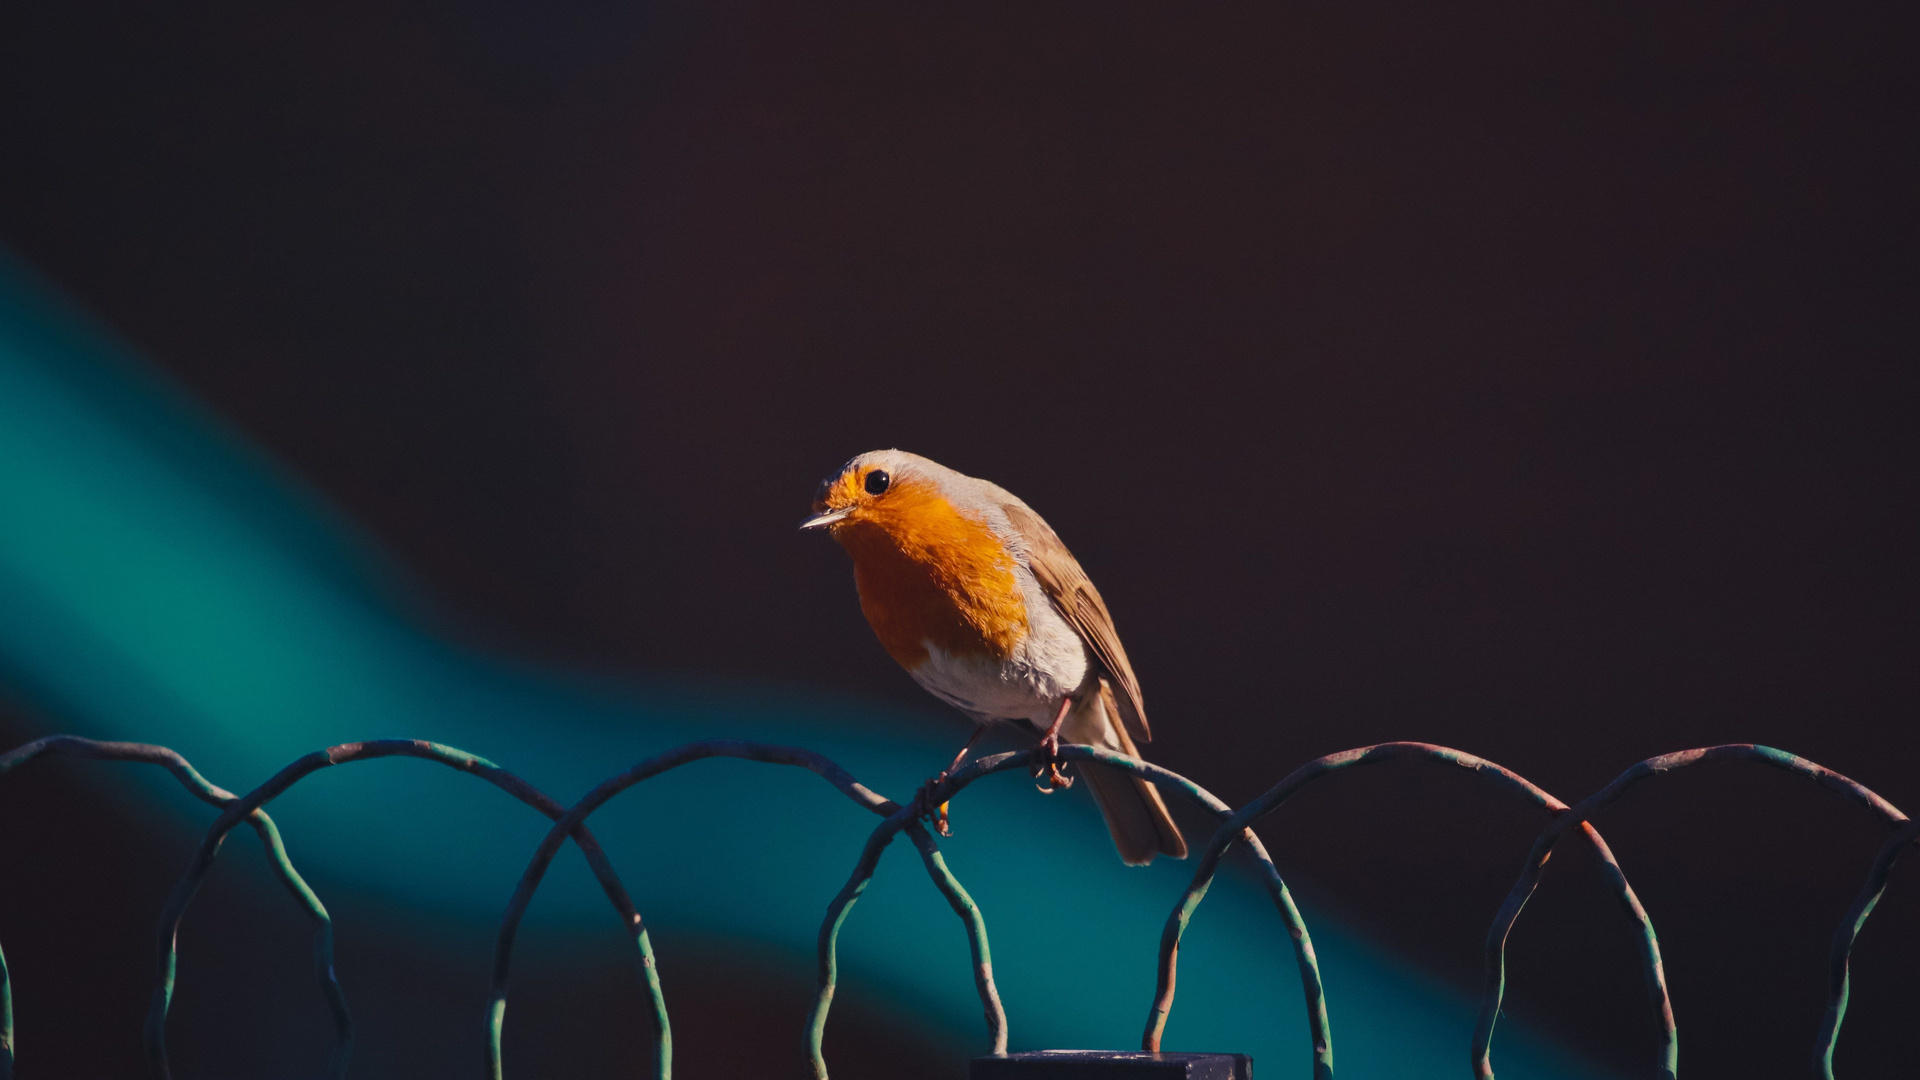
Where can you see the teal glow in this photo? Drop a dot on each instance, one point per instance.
(160, 581)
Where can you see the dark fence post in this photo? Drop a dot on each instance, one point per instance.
(1110, 1065)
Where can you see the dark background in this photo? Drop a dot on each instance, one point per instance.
(1536, 381)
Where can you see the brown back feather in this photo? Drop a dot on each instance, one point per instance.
(1077, 601)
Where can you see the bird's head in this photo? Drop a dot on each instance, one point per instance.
(869, 488)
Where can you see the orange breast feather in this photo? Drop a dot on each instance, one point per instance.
(927, 573)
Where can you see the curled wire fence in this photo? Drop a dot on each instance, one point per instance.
(1235, 827)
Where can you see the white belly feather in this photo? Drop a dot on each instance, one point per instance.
(1047, 665)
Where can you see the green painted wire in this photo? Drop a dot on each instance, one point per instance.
(829, 962)
(944, 789)
(1898, 842)
(198, 785)
(1306, 961)
(1651, 965)
(1237, 827)
(569, 822)
(249, 804)
(573, 817)
(322, 941)
(1656, 766)
(969, 913)
(6, 1021)
(827, 944)
(749, 751)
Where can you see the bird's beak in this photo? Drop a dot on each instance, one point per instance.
(821, 521)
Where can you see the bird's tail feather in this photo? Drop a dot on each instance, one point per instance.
(1135, 813)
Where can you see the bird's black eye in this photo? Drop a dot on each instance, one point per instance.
(877, 481)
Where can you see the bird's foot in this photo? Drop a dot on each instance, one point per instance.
(935, 814)
(1046, 766)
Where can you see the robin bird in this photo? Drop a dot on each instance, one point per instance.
(970, 591)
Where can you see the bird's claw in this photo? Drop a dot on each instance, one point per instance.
(1046, 767)
(935, 815)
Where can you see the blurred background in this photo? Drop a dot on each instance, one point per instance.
(1534, 381)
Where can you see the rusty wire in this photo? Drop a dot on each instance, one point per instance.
(1236, 827)
(1240, 825)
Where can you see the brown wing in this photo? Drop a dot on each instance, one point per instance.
(1079, 603)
